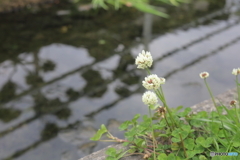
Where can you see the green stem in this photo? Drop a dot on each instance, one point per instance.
(162, 98)
(236, 111)
(220, 116)
(229, 147)
(238, 90)
(210, 92)
(185, 153)
(159, 94)
(102, 140)
(216, 143)
(150, 113)
(148, 71)
(168, 109)
(168, 123)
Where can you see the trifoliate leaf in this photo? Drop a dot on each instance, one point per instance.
(124, 125)
(189, 143)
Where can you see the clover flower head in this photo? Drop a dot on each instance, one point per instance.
(152, 82)
(149, 98)
(233, 102)
(144, 60)
(204, 75)
(236, 71)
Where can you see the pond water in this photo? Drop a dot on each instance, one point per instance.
(63, 75)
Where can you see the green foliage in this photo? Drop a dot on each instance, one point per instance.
(141, 5)
(176, 134)
(144, 7)
(113, 154)
(206, 143)
(197, 137)
(99, 133)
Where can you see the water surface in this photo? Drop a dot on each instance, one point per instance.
(63, 76)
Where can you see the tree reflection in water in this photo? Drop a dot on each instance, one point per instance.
(46, 89)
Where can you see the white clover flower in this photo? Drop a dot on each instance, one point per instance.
(144, 60)
(236, 71)
(152, 82)
(204, 75)
(149, 98)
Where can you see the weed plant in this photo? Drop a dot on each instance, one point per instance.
(176, 133)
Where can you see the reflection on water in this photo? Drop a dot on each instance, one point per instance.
(63, 76)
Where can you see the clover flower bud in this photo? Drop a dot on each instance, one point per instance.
(236, 71)
(149, 98)
(152, 82)
(144, 60)
(161, 111)
(233, 102)
(204, 75)
(162, 80)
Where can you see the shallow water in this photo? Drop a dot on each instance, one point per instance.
(63, 76)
